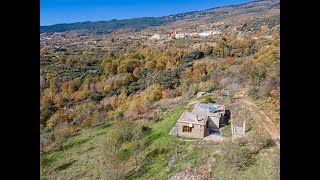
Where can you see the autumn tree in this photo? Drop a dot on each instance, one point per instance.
(121, 98)
(150, 65)
(136, 72)
(128, 78)
(153, 93)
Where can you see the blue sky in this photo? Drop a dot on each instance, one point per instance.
(68, 11)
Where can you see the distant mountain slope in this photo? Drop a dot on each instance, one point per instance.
(105, 27)
(214, 14)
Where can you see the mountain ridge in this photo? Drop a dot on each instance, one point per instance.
(106, 27)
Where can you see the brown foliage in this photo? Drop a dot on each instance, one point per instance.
(62, 132)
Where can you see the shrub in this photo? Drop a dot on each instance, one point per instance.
(150, 65)
(96, 96)
(61, 132)
(208, 100)
(212, 88)
(167, 79)
(134, 87)
(128, 78)
(192, 56)
(87, 122)
(107, 87)
(78, 119)
(46, 138)
(209, 50)
(114, 160)
(118, 115)
(115, 156)
(237, 157)
(212, 66)
(167, 94)
(54, 119)
(196, 55)
(260, 141)
(45, 114)
(79, 95)
(144, 72)
(136, 72)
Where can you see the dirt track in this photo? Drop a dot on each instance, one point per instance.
(266, 122)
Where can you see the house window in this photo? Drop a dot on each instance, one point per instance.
(186, 129)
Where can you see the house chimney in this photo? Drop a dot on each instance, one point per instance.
(244, 127)
(196, 119)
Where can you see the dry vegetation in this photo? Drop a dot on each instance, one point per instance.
(139, 87)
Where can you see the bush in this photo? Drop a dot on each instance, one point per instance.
(46, 138)
(167, 94)
(87, 122)
(192, 56)
(79, 118)
(45, 114)
(118, 115)
(196, 55)
(96, 96)
(260, 141)
(167, 79)
(236, 156)
(115, 155)
(209, 50)
(115, 162)
(208, 100)
(107, 87)
(212, 88)
(144, 72)
(61, 132)
(134, 87)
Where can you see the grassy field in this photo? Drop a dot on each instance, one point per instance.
(160, 147)
(82, 155)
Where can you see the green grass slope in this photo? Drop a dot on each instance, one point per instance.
(82, 155)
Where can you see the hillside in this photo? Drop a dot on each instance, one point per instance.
(137, 24)
(110, 96)
(105, 27)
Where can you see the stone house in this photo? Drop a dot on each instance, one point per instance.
(198, 122)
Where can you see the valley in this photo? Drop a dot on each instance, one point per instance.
(111, 91)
